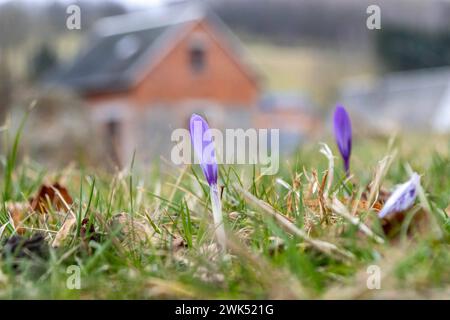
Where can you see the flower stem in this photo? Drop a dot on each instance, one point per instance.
(217, 215)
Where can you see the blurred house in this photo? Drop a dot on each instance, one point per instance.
(416, 100)
(142, 75)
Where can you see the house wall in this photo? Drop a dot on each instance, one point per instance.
(169, 92)
(224, 80)
(147, 132)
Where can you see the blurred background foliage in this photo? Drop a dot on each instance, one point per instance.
(307, 47)
(404, 49)
(414, 33)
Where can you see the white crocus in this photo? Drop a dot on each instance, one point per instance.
(402, 198)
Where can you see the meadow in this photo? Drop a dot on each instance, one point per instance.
(315, 70)
(307, 232)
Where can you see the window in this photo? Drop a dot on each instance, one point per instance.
(197, 55)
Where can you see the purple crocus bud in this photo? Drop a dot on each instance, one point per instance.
(343, 135)
(202, 141)
(402, 198)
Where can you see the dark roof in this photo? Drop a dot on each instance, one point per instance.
(119, 47)
(105, 65)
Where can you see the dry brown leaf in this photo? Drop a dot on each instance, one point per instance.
(132, 229)
(64, 231)
(419, 223)
(362, 205)
(18, 212)
(340, 209)
(55, 194)
(313, 204)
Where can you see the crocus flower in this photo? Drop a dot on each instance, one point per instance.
(402, 198)
(201, 139)
(343, 135)
(202, 142)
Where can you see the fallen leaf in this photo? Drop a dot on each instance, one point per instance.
(18, 212)
(55, 195)
(393, 223)
(132, 229)
(64, 231)
(363, 205)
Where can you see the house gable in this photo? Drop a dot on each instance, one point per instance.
(171, 77)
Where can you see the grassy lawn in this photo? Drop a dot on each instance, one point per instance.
(318, 71)
(148, 234)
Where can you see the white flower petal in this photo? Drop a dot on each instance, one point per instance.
(402, 198)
